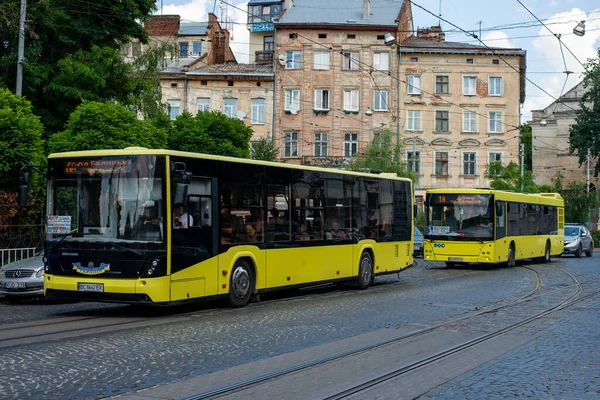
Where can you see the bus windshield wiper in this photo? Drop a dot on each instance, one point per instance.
(470, 234)
(64, 236)
(121, 247)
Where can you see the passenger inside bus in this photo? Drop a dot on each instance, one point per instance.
(229, 225)
(181, 218)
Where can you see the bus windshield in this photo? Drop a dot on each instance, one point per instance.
(112, 199)
(460, 217)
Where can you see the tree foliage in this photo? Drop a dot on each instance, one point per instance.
(383, 154)
(585, 133)
(210, 133)
(526, 140)
(95, 126)
(265, 150)
(578, 202)
(508, 177)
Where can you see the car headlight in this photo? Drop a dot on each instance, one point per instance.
(39, 273)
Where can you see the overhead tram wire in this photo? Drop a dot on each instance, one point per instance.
(492, 50)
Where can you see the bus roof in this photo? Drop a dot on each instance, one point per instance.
(554, 199)
(134, 151)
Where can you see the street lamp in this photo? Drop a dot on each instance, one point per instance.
(579, 30)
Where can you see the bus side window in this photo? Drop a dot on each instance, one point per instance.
(500, 219)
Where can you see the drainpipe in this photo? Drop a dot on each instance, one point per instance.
(398, 108)
(273, 130)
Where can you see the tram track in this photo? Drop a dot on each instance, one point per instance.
(248, 384)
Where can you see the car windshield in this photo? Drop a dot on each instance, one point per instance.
(571, 230)
(418, 232)
(460, 216)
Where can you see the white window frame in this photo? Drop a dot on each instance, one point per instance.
(382, 95)
(414, 84)
(469, 85)
(495, 124)
(409, 160)
(293, 59)
(321, 60)
(350, 144)
(381, 60)
(290, 144)
(174, 108)
(322, 99)
(197, 43)
(501, 154)
(258, 111)
(351, 97)
(350, 61)
(472, 162)
(435, 153)
(413, 118)
(492, 89)
(203, 104)
(292, 100)
(469, 124)
(230, 109)
(321, 144)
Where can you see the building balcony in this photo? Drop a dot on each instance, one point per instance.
(264, 57)
(327, 162)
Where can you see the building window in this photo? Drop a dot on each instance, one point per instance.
(495, 86)
(230, 83)
(258, 13)
(441, 163)
(136, 49)
(413, 158)
(321, 99)
(203, 104)
(414, 120)
(293, 59)
(290, 144)
(350, 144)
(203, 83)
(292, 100)
(321, 144)
(414, 59)
(414, 84)
(381, 61)
(381, 100)
(378, 139)
(183, 49)
(174, 107)
(351, 99)
(495, 62)
(469, 85)
(495, 122)
(293, 36)
(268, 44)
(495, 157)
(441, 121)
(196, 48)
(350, 61)
(469, 61)
(322, 36)
(125, 49)
(469, 121)
(351, 36)
(442, 84)
(230, 107)
(321, 60)
(258, 111)
(469, 163)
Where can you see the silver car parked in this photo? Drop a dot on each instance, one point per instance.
(578, 240)
(24, 278)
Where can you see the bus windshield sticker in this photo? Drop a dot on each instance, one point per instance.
(58, 224)
(438, 230)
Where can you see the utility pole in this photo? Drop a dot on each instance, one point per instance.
(414, 155)
(522, 156)
(21, 49)
(588, 172)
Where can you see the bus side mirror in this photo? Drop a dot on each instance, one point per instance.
(23, 189)
(180, 194)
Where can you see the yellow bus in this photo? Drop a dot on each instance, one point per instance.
(164, 227)
(492, 226)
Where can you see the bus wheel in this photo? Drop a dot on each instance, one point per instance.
(240, 284)
(511, 256)
(546, 258)
(365, 271)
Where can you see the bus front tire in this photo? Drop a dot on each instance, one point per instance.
(546, 258)
(511, 261)
(365, 271)
(241, 284)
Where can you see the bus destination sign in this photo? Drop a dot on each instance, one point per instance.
(101, 166)
(474, 199)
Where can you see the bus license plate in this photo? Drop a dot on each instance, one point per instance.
(90, 287)
(454, 258)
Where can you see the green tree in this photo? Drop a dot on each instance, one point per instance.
(210, 133)
(585, 133)
(94, 126)
(578, 202)
(508, 177)
(383, 154)
(265, 150)
(60, 29)
(526, 140)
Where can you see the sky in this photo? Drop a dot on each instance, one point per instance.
(504, 23)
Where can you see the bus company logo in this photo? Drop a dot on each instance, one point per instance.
(91, 269)
(439, 245)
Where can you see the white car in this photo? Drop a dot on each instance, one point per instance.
(24, 278)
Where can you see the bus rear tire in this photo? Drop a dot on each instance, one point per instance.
(546, 258)
(241, 284)
(365, 271)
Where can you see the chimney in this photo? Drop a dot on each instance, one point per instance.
(366, 9)
(435, 34)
